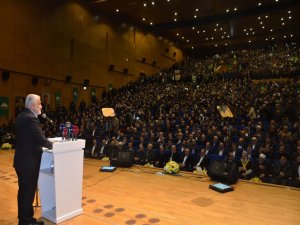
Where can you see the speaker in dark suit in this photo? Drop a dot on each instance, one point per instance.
(27, 158)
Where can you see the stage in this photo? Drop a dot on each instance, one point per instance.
(141, 195)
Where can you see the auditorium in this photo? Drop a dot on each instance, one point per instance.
(141, 112)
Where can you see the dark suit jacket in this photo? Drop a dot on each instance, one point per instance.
(204, 163)
(175, 156)
(189, 162)
(29, 141)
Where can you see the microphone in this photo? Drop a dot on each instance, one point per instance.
(47, 118)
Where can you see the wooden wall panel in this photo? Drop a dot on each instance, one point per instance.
(51, 39)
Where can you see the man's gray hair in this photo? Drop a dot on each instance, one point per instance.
(31, 98)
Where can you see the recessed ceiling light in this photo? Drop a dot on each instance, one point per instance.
(212, 38)
(153, 3)
(187, 41)
(225, 44)
(198, 31)
(253, 32)
(266, 39)
(228, 36)
(221, 28)
(222, 37)
(284, 36)
(175, 19)
(282, 24)
(249, 41)
(292, 35)
(235, 9)
(258, 17)
(195, 16)
(175, 13)
(263, 27)
(227, 10)
(145, 4)
(266, 16)
(216, 45)
(261, 22)
(197, 10)
(276, 0)
(245, 30)
(193, 28)
(215, 29)
(117, 10)
(182, 37)
(203, 31)
(259, 4)
(272, 38)
(206, 39)
(144, 19)
(192, 47)
(271, 30)
(289, 12)
(290, 17)
(217, 24)
(282, 18)
(247, 33)
(177, 34)
(224, 32)
(151, 23)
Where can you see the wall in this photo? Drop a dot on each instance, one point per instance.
(52, 38)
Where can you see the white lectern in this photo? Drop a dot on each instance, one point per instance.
(60, 180)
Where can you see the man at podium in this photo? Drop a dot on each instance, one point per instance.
(27, 159)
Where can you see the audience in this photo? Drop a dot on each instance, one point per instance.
(175, 115)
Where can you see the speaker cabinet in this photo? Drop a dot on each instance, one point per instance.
(124, 159)
(111, 67)
(68, 78)
(34, 80)
(223, 172)
(5, 75)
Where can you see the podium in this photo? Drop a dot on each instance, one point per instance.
(60, 180)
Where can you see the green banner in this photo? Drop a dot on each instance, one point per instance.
(75, 94)
(109, 87)
(57, 99)
(4, 106)
(93, 92)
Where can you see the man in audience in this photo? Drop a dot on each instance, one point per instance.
(281, 172)
(186, 162)
(262, 168)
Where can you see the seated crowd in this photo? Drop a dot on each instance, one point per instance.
(167, 117)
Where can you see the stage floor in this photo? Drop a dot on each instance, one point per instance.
(141, 196)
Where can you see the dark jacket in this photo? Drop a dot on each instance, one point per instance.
(29, 141)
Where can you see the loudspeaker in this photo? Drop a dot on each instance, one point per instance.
(34, 80)
(124, 159)
(86, 82)
(125, 70)
(5, 75)
(68, 78)
(223, 172)
(111, 67)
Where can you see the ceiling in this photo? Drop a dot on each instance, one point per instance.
(209, 24)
